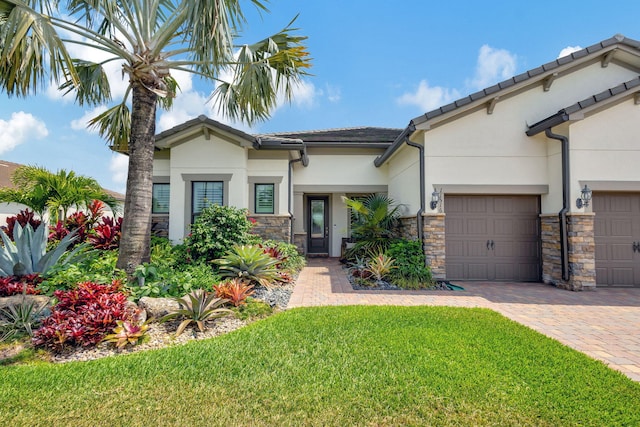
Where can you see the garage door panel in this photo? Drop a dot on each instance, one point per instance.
(477, 272)
(455, 248)
(511, 222)
(616, 227)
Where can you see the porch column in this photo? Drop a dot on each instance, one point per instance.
(434, 244)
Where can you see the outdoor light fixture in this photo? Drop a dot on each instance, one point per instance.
(436, 198)
(585, 198)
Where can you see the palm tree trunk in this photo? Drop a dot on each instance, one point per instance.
(136, 224)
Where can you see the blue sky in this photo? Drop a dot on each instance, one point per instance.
(375, 63)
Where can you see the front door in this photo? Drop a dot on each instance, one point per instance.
(318, 225)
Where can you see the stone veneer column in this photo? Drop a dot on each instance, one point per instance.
(581, 250)
(434, 244)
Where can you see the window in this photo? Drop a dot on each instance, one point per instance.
(205, 193)
(160, 198)
(264, 202)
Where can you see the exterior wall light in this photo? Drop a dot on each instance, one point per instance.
(585, 198)
(436, 199)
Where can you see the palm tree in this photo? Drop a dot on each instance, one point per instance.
(43, 191)
(152, 38)
(374, 223)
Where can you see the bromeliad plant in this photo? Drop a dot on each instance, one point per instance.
(197, 306)
(127, 332)
(380, 266)
(249, 263)
(235, 291)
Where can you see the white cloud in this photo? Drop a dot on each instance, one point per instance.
(568, 51)
(493, 65)
(82, 122)
(304, 95)
(428, 97)
(20, 128)
(118, 166)
(334, 94)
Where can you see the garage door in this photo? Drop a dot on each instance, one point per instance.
(617, 236)
(493, 238)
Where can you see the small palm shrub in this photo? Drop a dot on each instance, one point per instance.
(197, 307)
(215, 230)
(249, 263)
(235, 291)
(410, 271)
(82, 316)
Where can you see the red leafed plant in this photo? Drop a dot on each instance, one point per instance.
(106, 235)
(23, 218)
(83, 316)
(275, 253)
(235, 290)
(58, 231)
(14, 285)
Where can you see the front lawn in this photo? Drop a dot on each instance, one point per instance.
(335, 366)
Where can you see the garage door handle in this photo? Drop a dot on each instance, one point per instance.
(492, 245)
(636, 246)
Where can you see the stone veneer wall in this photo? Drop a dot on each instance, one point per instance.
(160, 225)
(582, 252)
(582, 255)
(433, 242)
(300, 240)
(551, 259)
(274, 227)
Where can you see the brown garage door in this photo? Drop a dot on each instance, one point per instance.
(617, 229)
(493, 238)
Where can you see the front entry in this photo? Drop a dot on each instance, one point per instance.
(318, 225)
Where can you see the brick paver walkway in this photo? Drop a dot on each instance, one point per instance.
(604, 324)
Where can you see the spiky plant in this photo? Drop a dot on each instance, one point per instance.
(197, 306)
(249, 263)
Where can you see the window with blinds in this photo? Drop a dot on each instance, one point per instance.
(264, 203)
(160, 198)
(205, 193)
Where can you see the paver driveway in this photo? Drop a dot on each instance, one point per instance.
(604, 324)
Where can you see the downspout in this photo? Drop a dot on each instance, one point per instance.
(304, 159)
(564, 234)
(419, 218)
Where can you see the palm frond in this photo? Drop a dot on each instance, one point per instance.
(114, 125)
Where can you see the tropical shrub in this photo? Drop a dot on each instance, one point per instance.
(252, 309)
(410, 271)
(28, 252)
(248, 263)
(96, 267)
(289, 259)
(166, 280)
(359, 268)
(106, 234)
(82, 316)
(23, 218)
(235, 291)
(215, 230)
(14, 285)
(374, 223)
(197, 307)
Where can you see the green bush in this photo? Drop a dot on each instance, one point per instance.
(165, 280)
(253, 309)
(410, 271)
(99, 268)
(216, 230)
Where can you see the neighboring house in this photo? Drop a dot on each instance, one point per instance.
(12, 209)
(504, 168)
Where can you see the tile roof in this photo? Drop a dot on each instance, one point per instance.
(347, 135)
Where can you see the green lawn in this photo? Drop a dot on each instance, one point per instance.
(335, 366)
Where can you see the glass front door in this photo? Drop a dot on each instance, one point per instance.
(318, 224)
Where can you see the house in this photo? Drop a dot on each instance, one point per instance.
(532, 179)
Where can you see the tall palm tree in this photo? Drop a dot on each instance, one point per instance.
(43, 191)
(152, 38)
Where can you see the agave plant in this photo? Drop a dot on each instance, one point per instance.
(249, 263)
(27, 254)
(19, 319)
(127, 332)
(197, 306)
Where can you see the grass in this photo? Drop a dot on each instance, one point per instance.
(335, 366)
